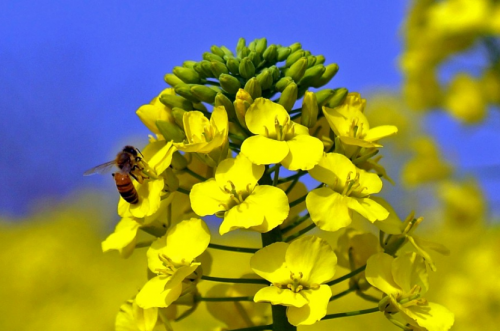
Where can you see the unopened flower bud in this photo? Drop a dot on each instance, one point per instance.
(295, 47)
(179, 162)
(283, 83)
(229, 83)
(265, 79)
(297, 70)
(176, 101)
(184, 90)
(170, 131)
(293, 57)
(309, 109)
(188, 75)
(233, 64)
(261, 45)
(338, 98)
(217, 51)
(241, 48)
(312, 74)
(247, 68)
(204, 93)
(178, 114)
(253, 88)
(271, 54)
(328, 74)
(218, 68)
(173, 80)
(212, 57)
(283, 53)
(289, 96)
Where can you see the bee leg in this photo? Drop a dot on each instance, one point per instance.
(139, 153)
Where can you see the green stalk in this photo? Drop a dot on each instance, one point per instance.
(351, 313)
(221, 299)
(194, 174)
(299, 233)
(233, 248)
(255, 328)
(349, 275)
(235, 280)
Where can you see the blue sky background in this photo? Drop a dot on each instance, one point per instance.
(73, 73)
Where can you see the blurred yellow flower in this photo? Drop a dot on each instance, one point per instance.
(465, 99)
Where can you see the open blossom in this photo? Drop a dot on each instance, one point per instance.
(156, 111)
(278, 139)
(404, 280)
(234, 192)
(348, 189)
(297, 272)
(172, 259)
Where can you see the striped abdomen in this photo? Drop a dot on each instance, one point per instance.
(126, 188)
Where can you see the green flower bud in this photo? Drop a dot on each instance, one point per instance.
(178, 114)
(203, 93)
(218, 68)
(176, 101)
(320, 59)
(283, 53)
(233, 64)
(240, 107)
(236, 130)
(216, 88)
(289, 96)
(253, 88)
(200, 106)
(331, 70)
(311, 60)
(295, 47)
(255, 57)
(307, 53)
(184, 90)
(241, 48)
(170, 131)
(338, 97)
(283, 83)
(227, 51)
(309, 109)
(275, 72)
(201, 70)
(229, 83)
(188, 75)
(172, 80)
(222, 100)
(247, 68)
(271, 54)
(179, 162)
(324, 95)
(297, 70)
(212, 57)
(294, 57)
(189, 64)
(261, 45)
(312, 74)
(217, 51)
(251, 46)
(265, 79)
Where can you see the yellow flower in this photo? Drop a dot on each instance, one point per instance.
(206, 137)
(133, 318)
(172, 259)
(235, 193)
(348, 189)
(465, 100)
(278, 139)
(156, 111)
(453, 17)
(464, 202)
(404, 280)
(297, 272)
(352, 127)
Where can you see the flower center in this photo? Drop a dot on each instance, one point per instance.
(356, 129)
(352, 185)
(297, 283)
(236, 196)
(281, 129)
(169, 269)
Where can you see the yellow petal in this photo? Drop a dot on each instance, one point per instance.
(305, 152)
(380, 132)
(262, 114)
(262, 150)
(370, 182)
(432, 317)
(162, 159)
(333, 169)
(219, 119)
(392, 224)
(269, 263)
(145, 319)
(314, 310)
(409, 270)
(153, 293)
(153, 253)
(277, 296)
(368, 208)
(240, 172)
(156, 111)
(124, 237)
(207, 198)
(274, 204)
(313, 257)
(328, 209)
(242, 216)
(187, 240)
(358, 142)
(379, 273)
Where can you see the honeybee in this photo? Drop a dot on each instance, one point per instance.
(130, 163)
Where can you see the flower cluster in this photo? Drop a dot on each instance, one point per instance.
(232, 138)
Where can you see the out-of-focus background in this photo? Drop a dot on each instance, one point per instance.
(73, 74)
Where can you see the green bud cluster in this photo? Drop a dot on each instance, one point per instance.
(260, 69)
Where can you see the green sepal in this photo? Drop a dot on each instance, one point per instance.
(324, 95)
(293, 57)
(233, 64)
(179, 162)
(203, 93)
(265, 79)
(170, 131)
(309, 109)
(188, 75)
(176, 101)
(217, 51)
(212, 57)
(338, 97)
(295, 47)
(283, 83)
(188, 64)
(241, 48)
(253, 88)
(328, 74)
(289, 96)
(312, 74)
(173, 80)
(178, 114)
(218, 68)
(229, 83)
(297, 70)
(247, 68)
(227, 51)
(261, 45)
(184, 90)
(222, 100)
(271, 54)
(283, 53)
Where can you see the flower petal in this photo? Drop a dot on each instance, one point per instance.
(378, 272)
(432, 317)
(124, 237)
(314, 310)
(392, 224)
(242, 216)
(240, 172)
(269, 263)
(409, 270)
(153, 293)
(313, 257)
(207, 198)
(262, 114)
(263, 150)
(277, 296)
(274, 204)
(305, 152)
(370, 182)
(368, 208)
(333, 170)
(328, 209)
(187, 240)
(380, 132)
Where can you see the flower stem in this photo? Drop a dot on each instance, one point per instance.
(299, 233)
(194, 174)
(341, 294)
(250, 298)
(351, 313)
(255, 328)
(276, 174)
(233, 248)
(292, 177)
(235, 280)
(297, 222)
(183, 190)
(349, 275)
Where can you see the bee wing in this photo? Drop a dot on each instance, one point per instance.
(100, 169)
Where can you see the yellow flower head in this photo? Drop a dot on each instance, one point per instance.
(404, 280)
(133, 318)
(297, 272)
(348, 189)
(351, 125)
(278, 139)
(235, 193)
(172, 259)
(465, 99)
(156, 111)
